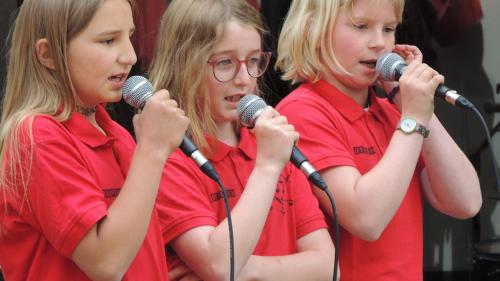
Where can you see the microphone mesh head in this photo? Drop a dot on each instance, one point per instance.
(249, 108)
(136, 90)
(386, 66)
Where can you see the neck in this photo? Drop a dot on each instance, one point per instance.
(86, 111)
(89, 114)
(360, 96)
(227, 133)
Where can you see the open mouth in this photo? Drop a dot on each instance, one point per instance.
(235, 98)
(369, 63)
(118, 77)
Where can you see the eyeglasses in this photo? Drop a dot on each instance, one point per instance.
(226, 68)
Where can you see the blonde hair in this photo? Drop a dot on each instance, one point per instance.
(305, 46)
(31, 88)
(187, 35)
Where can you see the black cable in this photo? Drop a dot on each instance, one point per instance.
(488, 138)
(337, 233)
(320, 183)
(230, 227)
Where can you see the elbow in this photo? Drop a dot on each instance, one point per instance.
(218, 272)
(471, 209)
(104, 271)
(106, 274)
(370, 235)
(367, 229)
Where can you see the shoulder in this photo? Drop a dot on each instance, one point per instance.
(303, 96)
(41, 128)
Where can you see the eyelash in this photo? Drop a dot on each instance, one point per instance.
(108, 41)
(365, 26)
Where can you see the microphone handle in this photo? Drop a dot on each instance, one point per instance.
(300, 161)
(452, 97)
(188, 147)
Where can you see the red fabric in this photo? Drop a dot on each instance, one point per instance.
(454, 18)
(147, 21)
(188, 199)
(254, 3)
(77, 173)
(336, 131)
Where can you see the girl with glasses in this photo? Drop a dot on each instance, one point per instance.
(209, 55)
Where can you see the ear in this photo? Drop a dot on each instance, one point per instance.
(43, 53)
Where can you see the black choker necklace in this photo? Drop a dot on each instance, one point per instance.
(85, 111)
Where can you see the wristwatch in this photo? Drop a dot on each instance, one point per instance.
(409, 125)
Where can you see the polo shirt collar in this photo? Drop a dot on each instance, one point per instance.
(343, 103)
(82, 129)
(246, 146)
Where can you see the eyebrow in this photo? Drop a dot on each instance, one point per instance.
(227, 52)
(115, 31)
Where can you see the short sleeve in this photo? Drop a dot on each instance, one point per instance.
(64, 199)
(182, 202)
(309, 217)
(322, 138)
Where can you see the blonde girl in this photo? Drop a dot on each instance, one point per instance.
(77, 193)
(378, 159)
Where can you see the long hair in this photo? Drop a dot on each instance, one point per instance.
(31, 88)
(305, 47)
(189, 31)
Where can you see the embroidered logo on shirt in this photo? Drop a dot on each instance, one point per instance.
(280, 198)
(216, 196)
(111, 192)
(363, 150)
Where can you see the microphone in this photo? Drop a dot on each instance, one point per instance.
(136, 91)
(249, 109)
(390, 67)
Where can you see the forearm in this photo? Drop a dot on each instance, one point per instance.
(368, 202)
(453, 181)
(110, 247)
(308, 265)
(248, 217)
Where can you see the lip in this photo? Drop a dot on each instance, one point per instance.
(117, 80)
(234, 98)
(370, 63)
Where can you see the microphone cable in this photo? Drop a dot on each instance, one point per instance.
(322, 185)
(493, 158)
(230, 228)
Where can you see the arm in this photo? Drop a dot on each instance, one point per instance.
(315, 250)
(369, 201)
(450, 181)
(205, 249)
(107, 250)
(314, 260)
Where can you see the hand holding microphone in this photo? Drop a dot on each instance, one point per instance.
(250, 108)
(162, 123)
(137, 90)
(275, 138)
(391, 66)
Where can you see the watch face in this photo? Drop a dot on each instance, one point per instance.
(408, 125)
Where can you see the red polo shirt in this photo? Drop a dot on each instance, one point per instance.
(336, 131)
(188, 198)
(77, 172)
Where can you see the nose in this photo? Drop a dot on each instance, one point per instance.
(377, 40)
(242, 76)
(127, 55)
